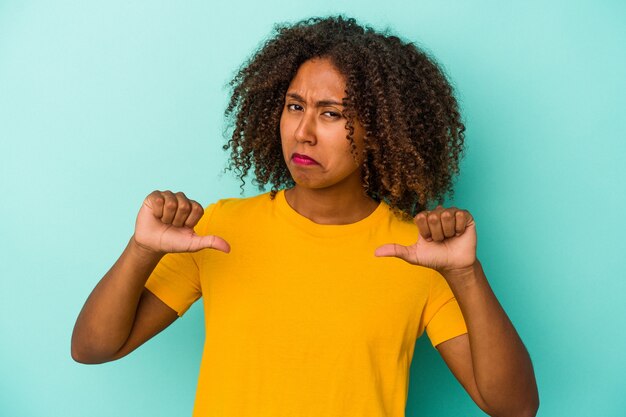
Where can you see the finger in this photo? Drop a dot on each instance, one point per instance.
(209, 242)
(461, 222)
(196, 213)
(154, 201)
(467, 220)
(169, 207)
(434, 224)
(448, 222)
(421, 220)
(394, 250)
(183, 209)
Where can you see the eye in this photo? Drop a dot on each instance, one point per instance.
(294, 107)
(332, 114)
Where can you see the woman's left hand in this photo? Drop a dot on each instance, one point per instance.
(446, 243)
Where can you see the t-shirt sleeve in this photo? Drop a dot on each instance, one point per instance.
(442, 315)
(176, 278)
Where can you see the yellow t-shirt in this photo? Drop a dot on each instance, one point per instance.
(301, 318)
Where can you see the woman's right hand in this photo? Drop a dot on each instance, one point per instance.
(165, 224)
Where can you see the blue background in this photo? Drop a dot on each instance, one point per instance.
(102, 102)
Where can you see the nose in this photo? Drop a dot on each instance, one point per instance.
(305, 131)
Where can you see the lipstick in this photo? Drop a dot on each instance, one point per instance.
(300, 159)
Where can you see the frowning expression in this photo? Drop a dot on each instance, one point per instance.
(313, 129)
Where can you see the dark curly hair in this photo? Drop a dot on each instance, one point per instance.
(413, 130)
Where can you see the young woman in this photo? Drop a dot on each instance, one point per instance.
(315, 292)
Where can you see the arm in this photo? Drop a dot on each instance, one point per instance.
(490, 361)
(120, 314)
(118, 305)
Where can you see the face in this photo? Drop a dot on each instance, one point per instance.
(313, 132)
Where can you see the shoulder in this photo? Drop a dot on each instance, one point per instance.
(229, 211)
(399, 223)
(240, 205)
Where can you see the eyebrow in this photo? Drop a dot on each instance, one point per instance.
(321, 103)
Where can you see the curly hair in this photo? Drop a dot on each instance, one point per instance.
(414, 134)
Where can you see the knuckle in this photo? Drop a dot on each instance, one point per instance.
(171, 204)
(185, 207)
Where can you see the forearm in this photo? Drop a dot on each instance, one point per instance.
(107, 317)
(502, 367)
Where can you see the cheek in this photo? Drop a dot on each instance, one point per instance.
(343, 156)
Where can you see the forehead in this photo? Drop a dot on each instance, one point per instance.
(318, 78)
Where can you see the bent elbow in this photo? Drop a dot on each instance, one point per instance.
(81, 356)
(529, 408)
(532, 409)
(533, 405)
(88, 354)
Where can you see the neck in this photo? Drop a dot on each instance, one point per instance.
(326, 206)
